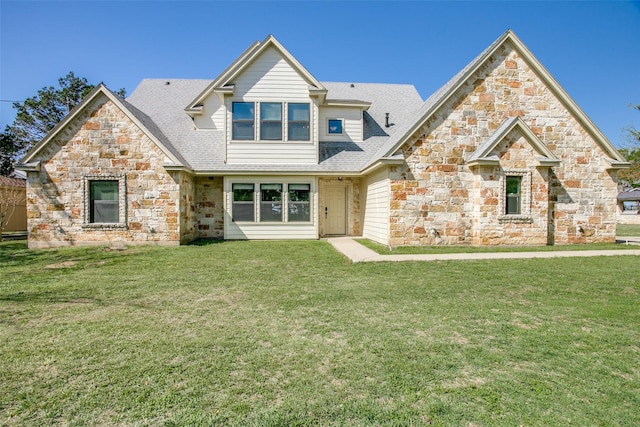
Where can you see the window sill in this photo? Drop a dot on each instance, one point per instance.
(104, 226)
(518, 219)
(275, 223)
(269, 141)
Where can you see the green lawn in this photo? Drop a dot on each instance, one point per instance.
(290, 333)
(628, 230)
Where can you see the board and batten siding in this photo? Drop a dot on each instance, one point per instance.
(352, 124)
(269, 230)
(270, 78)
(376, 212)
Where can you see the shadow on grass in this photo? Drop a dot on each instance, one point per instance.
(205, 242)
(47, 297)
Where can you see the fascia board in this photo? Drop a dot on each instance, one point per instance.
(223, 76)
(540, 70)
(507, 128)
(564, 97)
(347, 103)
(99, 90)
(380, 163)
(62, 123)
(445, 97)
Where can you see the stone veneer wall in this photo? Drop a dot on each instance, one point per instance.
(102, 141)
(354, 220)
(490, 225)
(209, 207)
(433, 190)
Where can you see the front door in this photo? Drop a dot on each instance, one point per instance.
(335, 211)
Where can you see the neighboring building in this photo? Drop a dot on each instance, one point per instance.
(629, 206)
(13, 206)
(500, 155)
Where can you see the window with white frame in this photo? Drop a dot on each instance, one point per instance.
(271, 121)
(243, 121)
(270, 202)
(269, 125)
(277, 202)
(104, 201)
(299, 122)
(243, 206)
(299, 208)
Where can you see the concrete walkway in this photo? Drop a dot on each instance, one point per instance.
(359, 253)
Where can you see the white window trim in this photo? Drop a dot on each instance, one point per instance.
(257, 131)
(122, 202)
(285, 201)
(525, 197)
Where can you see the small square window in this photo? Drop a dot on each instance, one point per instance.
(335, 127)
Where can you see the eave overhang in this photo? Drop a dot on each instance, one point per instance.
(353, 103)
(28, 167)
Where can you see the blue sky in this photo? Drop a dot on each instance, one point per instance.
(591, 48)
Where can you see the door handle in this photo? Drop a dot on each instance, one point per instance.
(325, 211)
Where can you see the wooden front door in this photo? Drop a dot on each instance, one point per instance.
(335, 211)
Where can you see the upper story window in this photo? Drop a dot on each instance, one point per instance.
(243, 121)
(271, 123)
(335, 127)
(299, 122)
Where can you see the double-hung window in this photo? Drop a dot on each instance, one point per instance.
(299, 210)
(270, 202)
(513, 195)
(243, 208)
(299, 122)
(271, 121)
(276, 202)
(105, 205)
(103, 202)
(243, 121)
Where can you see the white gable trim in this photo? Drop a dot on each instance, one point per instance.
(481, 157)
(224, 82)
(100, 90)
(616, 158)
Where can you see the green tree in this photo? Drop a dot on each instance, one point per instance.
(38, 114)
(8, 151)
(631, 177)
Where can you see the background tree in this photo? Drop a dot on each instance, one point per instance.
(7, 152)
(631, 177)
(37, 115)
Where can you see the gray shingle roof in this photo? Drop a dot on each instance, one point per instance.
(159, 104)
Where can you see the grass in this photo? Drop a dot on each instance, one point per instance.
(289, 333)
(622, 230)
(628, 230)
(401, 250)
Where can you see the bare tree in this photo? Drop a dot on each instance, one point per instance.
(12, 194)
